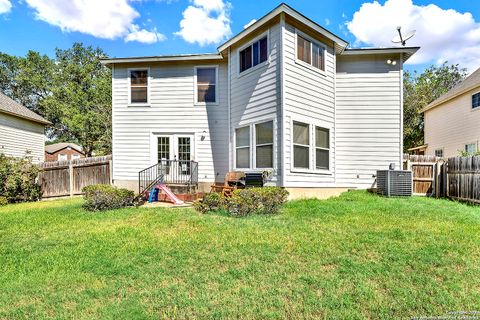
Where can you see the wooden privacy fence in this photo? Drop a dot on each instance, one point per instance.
(463, 178)
(67, 178)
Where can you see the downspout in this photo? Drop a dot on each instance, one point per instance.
(112, 169)
(401, 111)
(282, 101)
(334, 116)
(229, 83)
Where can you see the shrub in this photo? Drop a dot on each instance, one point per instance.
(210, 202)
(105, 197)
(18, 180)
(272, 199)
(245, 202)
(3, 201)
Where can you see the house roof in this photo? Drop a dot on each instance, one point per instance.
(406, 51)
(284, 8)
(52, 148)
(14, 108)
(165, 58)
(470, 83)
(340, 44)
(422, 147)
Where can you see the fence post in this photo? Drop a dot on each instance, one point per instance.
(70, 174)
(110, 169)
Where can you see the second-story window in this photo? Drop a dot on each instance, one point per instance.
(254, 54)
(476, 100)
(310, 53)
(207, 85)
(139, 86)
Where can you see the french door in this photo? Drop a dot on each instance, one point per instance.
(175, 151)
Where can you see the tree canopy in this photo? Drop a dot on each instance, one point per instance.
(73, 91)
(419, 90)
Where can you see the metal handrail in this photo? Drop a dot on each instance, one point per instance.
(173, 172)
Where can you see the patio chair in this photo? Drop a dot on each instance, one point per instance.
(231, 183)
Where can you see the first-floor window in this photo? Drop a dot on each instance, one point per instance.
(311, 146)
(439, 153)
(470, 148)
(242, 145)
(264, 145)
(301, 145)
(322, 148)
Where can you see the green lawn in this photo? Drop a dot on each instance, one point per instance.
(357, 256)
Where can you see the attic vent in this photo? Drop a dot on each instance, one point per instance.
(394, 183)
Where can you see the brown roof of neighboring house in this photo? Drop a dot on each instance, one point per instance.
(471, 82)
(52, 148)
(12, 107)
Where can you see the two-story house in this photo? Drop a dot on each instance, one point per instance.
(285, 95)
(452, 121)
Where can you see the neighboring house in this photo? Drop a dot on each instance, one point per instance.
(22, 131)
(284, 95)
(452, 122)
(63, 151)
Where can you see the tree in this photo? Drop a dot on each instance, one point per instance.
(419, 90)
(73, 91)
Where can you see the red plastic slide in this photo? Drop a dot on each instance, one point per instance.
(170, 194)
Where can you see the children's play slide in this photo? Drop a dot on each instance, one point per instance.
(153, 196)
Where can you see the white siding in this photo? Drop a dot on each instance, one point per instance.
(452, 125)
(309, 97)
(368, 118)
(172, 110)
(255, 93)
(21, 138)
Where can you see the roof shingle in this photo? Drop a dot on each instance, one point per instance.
(12, 107)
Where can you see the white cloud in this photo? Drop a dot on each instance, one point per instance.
(106, 19)
(444, 35)
(5, 6)
(144, 36)
(206, 22)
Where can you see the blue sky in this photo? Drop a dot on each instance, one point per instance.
(446, 30)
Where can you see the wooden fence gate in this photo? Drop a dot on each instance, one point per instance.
(67, 178)
(426, 172)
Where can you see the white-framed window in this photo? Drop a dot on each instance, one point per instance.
(253, 54)
(476, 100)
(301, 145)
(264, 145)
(310, 147)
(206, 88)
(138, 86)
(62, 157)
(439, 153)
(75, 156)
(254, 145)
(322, 148)
(310, 52)
(242, 147)
(471, 148)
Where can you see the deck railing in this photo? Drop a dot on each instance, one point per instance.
(170, 172)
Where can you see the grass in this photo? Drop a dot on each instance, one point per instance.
(354, 257)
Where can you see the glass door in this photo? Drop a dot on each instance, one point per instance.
(174, 153)
(184, 155)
